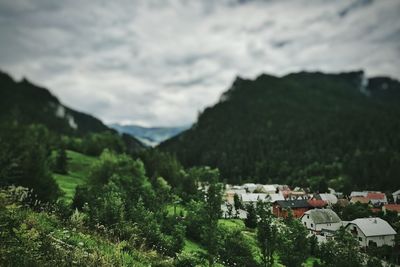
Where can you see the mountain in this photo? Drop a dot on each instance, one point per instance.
(309, 129)
(151, 136)
(27, 103)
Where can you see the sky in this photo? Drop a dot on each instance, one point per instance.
(161, 62)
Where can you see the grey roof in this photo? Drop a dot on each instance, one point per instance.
(323, 216)
(252, 197)
(373, 226)
(328, 197)
(297, 203)
(397, 192)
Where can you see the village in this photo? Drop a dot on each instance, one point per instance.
(316, 210)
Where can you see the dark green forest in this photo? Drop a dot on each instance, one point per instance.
(75, 193)
(304, 129)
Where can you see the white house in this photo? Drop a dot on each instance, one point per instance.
(242, 214)
(331, 199)
(230, 194)
(268, 188)
(249, 187)
(396, 196)
(321, 220)
(358, 194)
(252, 198)
(372, 232)
(274, 197)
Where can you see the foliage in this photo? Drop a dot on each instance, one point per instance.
(354, 211)
(24, 159)
(308, 129)
(235, 250)
(267, 233)
(293, 243)
(61, 161)
(342, 251)
(251, 219)
(32, 238)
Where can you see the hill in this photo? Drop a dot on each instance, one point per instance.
(151, 136)
(310, 129)
(27, 103)
(78, 172)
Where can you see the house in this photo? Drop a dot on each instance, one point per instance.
(358, 194)
(229, 194)
(321, 221)
(281, 208)
(268, 189)
(274, 197)
(249, 187)
(396, 196)
(372, 232)
(377, 198)
(251, 198)
(391, 207)
(317, 204)
(292, 195)
(331, 199)
(242, 214)
(361, 199)
(342, 202)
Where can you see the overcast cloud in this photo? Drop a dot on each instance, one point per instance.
(160, 62)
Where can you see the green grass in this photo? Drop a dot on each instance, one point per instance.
(232, 224)
(78, 172)
(179, 208)
(192, 247)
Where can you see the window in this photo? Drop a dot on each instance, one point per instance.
(312, 225)
(308, 216)
(305, 224)
(360, 238)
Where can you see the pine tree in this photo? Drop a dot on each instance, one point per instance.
(61, 164)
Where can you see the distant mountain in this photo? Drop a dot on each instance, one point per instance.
(26, 103)
(150, 136)
(310, 129)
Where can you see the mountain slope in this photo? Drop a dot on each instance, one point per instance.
(26, 103)
(304, 128)
(149, 135)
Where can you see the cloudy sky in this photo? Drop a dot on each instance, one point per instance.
(160, 62)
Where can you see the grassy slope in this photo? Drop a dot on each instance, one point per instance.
(79, 165)
(78, 172)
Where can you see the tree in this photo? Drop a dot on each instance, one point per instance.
(61, 161)
(229, 208)
(24, 157)
(266, 233)
(293, 243)
(236, 250)
(251, 219)
(237, 204)
(356, 210)
(342, 251)
(213, 200)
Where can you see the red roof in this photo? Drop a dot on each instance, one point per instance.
(316, 203)
(375, 210)
(393, 207)
(376, 196)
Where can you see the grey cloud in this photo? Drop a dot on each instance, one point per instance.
(159, 62)
(354, 6)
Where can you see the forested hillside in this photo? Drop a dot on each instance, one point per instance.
(306, 129)
(25, 103)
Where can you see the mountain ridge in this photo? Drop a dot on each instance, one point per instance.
(287, 129)
(26, 103)
(151, 136)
